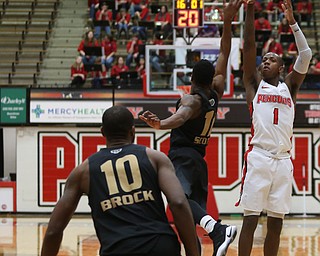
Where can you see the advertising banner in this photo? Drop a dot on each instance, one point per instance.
(84, 106)
(13, 106)
(67, 111)
(42, 172)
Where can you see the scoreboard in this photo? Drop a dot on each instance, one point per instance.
(187, 13)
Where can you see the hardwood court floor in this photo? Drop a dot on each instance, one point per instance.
(23, 234)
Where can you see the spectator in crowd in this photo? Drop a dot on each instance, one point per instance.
(292, 50)
(284, 27)
(164, 19)
(134, 7)
(261, 23)
(292, 54)
(78, 73)
(123, 20)
(93, 6)
(141, 67)
(123, 4)
(144, 13)
(272, 46)
(156, 57)
(314, 68)
(103, 14)
(133, 49)
(110, 48)
(304, 8)
(117, 69)
(89, 40)
(136, 29)
(274, 10)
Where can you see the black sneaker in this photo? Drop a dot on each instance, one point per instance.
(222, 236)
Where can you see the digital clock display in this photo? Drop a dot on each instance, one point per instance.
(188, 13)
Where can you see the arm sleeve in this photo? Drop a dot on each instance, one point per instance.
(302, 63)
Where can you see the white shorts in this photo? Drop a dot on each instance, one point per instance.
(267, 184)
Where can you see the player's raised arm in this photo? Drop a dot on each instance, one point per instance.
(300, 69)
(229, 12)
(251, 78)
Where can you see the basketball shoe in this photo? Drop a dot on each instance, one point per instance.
(222, 236)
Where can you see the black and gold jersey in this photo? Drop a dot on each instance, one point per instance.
(126, 202)
(196, 132)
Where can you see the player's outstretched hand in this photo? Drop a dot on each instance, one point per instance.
(150, 119)
(231, 9)
(288, 11)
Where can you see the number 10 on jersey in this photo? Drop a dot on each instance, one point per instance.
(188, 13)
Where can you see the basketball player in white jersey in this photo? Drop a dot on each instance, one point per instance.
(268, 170)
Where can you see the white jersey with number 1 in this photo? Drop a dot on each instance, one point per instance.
(272, 113)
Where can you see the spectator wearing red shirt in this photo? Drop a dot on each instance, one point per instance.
(261, 23)
(315, 66)
(141, 67)
(93, 5)
(89, 40)
(272, 46)
(164, 19)
(274, 9)
(133, 49)
(118, 68)
(144, 13)
(314, 69)
(78, 73)
(134, 7)
(123, 19)
(110, 48)
(292, 50)
(103, 14)
(284, 27)
(304, 8)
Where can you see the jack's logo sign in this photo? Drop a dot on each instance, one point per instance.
(60, 152)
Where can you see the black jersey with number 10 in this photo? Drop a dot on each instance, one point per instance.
(126, 202)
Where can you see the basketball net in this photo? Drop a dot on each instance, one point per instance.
(183, 89)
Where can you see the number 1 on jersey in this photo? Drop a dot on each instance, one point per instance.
(208, 124)
(275, 116)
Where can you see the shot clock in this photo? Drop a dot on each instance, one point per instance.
(187, 13)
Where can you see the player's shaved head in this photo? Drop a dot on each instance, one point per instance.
(203, 73)
(117, 121)
(279, 59)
